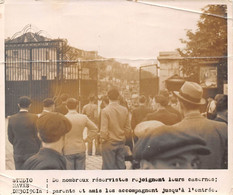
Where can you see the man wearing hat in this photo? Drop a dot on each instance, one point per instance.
(48, 106)
(162, 114)
(51, 127)
(22, 133)
(213, 132)
(165, 147)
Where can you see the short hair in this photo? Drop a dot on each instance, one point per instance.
(48, 102)
(105, 99)
(64, 97)
(142, 99)
(24, 102)
(92, 98)
(113, 93)
(72, 103)
(221, 102)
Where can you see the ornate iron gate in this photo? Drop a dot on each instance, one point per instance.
(37, 69)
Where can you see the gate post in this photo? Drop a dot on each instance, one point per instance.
(30, 75)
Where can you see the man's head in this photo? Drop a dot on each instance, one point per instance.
(221, 102)
(64, 97)
(190, 96)
(24, 102)
(166, 147)
(92, 99)
(49, 104)
(72, 104)
(113, 94)
(105, 102)
(162, 98)
(52, 127)
(142, 99)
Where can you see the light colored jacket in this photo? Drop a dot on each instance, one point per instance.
(74, 142)
(115, 123)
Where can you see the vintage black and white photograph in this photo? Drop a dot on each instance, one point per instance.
(116, 85)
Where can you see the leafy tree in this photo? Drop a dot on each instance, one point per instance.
(207, 43)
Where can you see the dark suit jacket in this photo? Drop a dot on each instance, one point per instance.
(174, 111)
(45, 159)
(61, 109)
(138, 114)
(215, 135)
(22, 133)
(164, 116)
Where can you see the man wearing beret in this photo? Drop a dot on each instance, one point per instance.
(22, 133)
(52, 127)
(48, 106)
(213, 132)
(165, 147)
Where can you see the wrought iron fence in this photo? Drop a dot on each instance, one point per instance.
(38, 70)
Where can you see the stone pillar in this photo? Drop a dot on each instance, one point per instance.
(168, 66)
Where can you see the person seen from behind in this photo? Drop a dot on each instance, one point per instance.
(74, 147)
(213, 132)
(22, 133)
(51, 127)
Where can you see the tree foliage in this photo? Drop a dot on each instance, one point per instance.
(207, 43)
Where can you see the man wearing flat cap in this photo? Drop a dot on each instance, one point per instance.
(168, 148)
(51, 127)
(213, 132)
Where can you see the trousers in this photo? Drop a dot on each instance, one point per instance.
(76, 161)
(113, 155)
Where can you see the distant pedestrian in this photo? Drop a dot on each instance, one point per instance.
(115, 125)
(61, 108)
(166, 147)
(74, 147)
(48, 106)
(221, 108)
(213, 132)
(211, 109)
(139, 113)
(91, 110)
(162, 114)
(104, 103)
(22, 133)
(51, 127)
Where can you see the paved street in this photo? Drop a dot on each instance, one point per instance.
(92, 162)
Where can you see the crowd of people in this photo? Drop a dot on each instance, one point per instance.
(176, 133)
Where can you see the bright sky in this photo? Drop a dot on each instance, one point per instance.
(115, 28)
